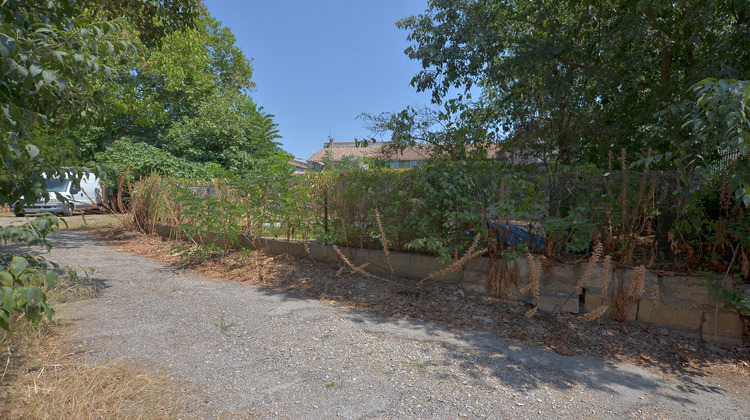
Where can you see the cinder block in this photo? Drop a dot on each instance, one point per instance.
(683, 289)
(594, 283)
(554, 278)
(723, 327)
(559, 278)
(476, 277)
(551, 302)
(512, 293)
(594, 301)
(323, 254)
(163, 230)
(417, 267)
(275, 247)
(670, 315)
(479, 264)
(652, 282)
(297, 250)
(246, 242)
(623, 277)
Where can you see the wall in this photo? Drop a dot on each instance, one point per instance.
(681, 302)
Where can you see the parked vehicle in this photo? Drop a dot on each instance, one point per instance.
(65, 197)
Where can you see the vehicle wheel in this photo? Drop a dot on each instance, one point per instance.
(68, 210)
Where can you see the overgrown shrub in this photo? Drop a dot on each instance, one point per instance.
(640, 216)
(139, 159)
(24, 279)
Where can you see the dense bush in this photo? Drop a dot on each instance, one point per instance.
(639, 216)
(141, 158)
(24, 279)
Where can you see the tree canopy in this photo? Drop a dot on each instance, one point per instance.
(572, 80)
(50, 52)
(190, 98)
(81, 76)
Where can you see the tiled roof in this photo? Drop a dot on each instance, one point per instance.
(339, 150)
(299, 164)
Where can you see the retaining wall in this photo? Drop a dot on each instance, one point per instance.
(683, 303)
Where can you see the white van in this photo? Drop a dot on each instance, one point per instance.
(88, 196)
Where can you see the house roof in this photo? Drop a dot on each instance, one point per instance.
(340, 150)
(298, 163)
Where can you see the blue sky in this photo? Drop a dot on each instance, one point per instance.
(319, 64)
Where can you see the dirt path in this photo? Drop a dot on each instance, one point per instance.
(243, 353)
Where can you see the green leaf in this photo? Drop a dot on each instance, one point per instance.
(32, 150)
(6, 279)
(7, 45)
(34, 296)
(48, 311)
(51, 279)
(48, 76)
(35, 69)
(4, 320)
(17, 265)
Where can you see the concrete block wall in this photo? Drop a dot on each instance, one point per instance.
(684, 303)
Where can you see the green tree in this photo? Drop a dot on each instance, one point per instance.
(236, 135)
(717, 121)
(50, 51)
(190, 98)
(574, 79)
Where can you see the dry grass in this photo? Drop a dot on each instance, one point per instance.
(94, 223)
(535, 273)
(637, 284)
(502, 275)
(593, 260)
(68, 290)
(432, 278)
(457, 263)
(43, 378)
(384, 244)
(605, 279)
(594, 315)
(358, 269)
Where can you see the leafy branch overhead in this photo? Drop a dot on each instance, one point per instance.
(566, 82)
(48, 51)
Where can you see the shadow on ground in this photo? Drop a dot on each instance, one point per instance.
(431, 311)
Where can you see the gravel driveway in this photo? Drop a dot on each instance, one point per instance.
(246, 353)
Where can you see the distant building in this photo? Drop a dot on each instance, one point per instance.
(411, 156)
(336, 151)
(299, 165)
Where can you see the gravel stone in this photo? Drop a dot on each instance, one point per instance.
(244, 353)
